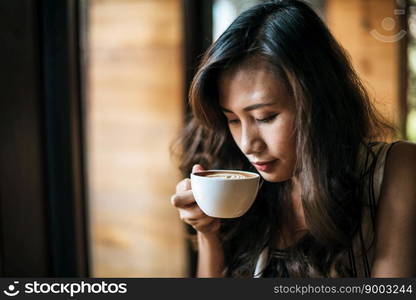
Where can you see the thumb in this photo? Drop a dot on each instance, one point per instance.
(197, 168)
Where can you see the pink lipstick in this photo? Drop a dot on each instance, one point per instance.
(264, 166)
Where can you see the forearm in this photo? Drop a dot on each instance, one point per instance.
(210, 256)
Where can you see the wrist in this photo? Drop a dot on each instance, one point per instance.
(207, 237)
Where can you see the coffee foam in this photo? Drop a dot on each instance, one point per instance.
(226, 176)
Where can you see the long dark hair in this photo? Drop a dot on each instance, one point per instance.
(334, 119)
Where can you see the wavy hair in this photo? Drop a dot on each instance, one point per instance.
(334, 117)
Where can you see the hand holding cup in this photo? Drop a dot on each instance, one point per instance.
(188, 209)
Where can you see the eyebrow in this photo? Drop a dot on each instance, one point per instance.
(251, 107)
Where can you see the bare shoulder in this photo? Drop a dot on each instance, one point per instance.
(400, 171)
(396, 221)
(401, 153)
(399, 183)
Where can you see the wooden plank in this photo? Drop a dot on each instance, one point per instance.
(135, 111)
(358, 26)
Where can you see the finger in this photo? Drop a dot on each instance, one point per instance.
(211, 226)
(183, 185)
(183, 199)
(201, 222)
(197, 168)
(215, 225)
(192, 213)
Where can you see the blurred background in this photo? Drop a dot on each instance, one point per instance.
(111, 216)
(135, 106)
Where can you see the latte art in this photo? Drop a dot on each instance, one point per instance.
(227, 176)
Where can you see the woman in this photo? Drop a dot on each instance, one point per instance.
(277, 94)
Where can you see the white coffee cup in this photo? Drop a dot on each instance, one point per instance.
(228, 195)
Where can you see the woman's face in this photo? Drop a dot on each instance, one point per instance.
(260, 115)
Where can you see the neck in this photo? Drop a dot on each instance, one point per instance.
(292, 225)
(295, 214)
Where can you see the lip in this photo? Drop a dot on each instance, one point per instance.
(264, 165)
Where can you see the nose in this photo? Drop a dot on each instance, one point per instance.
(251, 141)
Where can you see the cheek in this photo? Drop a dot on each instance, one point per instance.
(236, 134)
(281, 140)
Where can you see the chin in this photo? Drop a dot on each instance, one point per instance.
(270, 177)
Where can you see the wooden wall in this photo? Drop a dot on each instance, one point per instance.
(367, 29)
(135, 109)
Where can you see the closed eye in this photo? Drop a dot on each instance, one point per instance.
(236, 121)
(268, 119)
